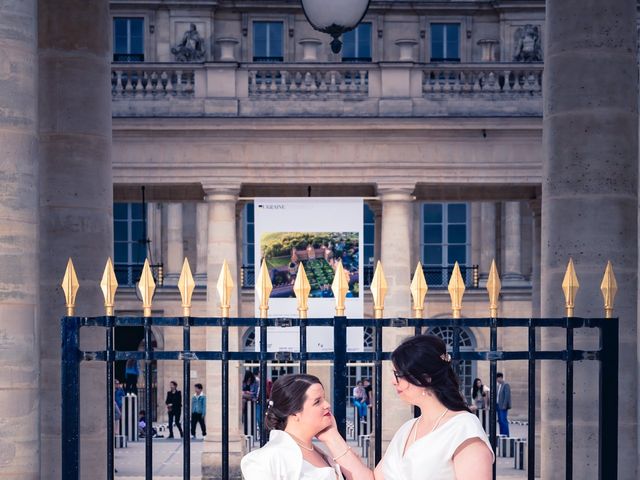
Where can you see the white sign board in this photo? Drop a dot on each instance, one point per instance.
(317, 232)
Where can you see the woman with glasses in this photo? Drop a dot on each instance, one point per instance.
(446, 442)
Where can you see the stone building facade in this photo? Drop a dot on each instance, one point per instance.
(436, 113)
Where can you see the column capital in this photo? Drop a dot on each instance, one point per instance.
(396, 192)
(221, 193)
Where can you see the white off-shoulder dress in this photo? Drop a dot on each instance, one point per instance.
(431, 457)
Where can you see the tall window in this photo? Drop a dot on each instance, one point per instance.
(268, 42)
(128, 39)
(357, 44)
(445, 239)
(445, 42)
(130, 248)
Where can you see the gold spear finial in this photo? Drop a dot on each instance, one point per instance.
(225, 289)
(493, 287)
(419, 290)
(379, 291)
(609, 288)
(263, 289)
(186, 285)
(570, 287)
(340, 287)
(109, 285)
(146, 287)
(70, 287)
(302, 288)
(456, 291)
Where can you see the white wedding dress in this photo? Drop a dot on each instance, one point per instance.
(431, 457)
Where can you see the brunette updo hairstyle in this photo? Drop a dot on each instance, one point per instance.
(423, 361)
(288, 395)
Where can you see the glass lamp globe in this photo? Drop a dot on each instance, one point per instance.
(335, 17)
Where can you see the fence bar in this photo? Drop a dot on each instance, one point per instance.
(417, 330)
(70, 388)
(110, 404)
(340, 371)
(186, 399)
(531, 414)
(378, 395)
(225, 397)
(263, 376)
(148, 429)
(493, 399)
(569, 402)
(303, 345)
(608, 415)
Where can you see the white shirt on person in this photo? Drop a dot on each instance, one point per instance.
(430, 456)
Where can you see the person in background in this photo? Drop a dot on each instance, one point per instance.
(119, 395)
(174, 407)
(360, 400)
(479, 395)
(131, 374)
(503, 403)
(198, 411)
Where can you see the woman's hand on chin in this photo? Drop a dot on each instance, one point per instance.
(328, 433)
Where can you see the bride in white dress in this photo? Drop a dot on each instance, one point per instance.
(447, 442)
(297, 412)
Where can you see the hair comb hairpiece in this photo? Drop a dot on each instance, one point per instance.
(270, 402)
(446, 357)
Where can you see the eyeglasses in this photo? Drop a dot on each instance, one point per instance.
(398, 375)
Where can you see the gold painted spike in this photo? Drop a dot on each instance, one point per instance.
(109, 285)
(302, 289)
(378, 290)
(570, 287)
(493, 287)
(70, 288)
(456, 291)
(146, 287)
(419, 290)
(225, 289)
(609, 288)
(186, 285)
(263, 289)
(340, 287)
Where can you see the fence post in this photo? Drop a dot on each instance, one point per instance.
(608, 451)
(340, 372)
(70, 384)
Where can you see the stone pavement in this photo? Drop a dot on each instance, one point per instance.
(167, 459)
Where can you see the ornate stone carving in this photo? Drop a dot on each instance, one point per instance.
(191, 48)
(527, 44)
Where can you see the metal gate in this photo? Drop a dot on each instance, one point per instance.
(73, 357)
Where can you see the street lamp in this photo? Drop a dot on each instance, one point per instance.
(335, 17)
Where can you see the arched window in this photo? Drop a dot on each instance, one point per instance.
(466, 368)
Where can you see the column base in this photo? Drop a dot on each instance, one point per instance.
(513, 280)
(212, 459)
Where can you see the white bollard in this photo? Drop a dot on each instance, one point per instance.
(129, 417)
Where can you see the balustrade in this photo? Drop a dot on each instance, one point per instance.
(152, 81)
(490, 78)
(311, 82)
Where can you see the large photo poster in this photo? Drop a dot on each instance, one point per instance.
(317, 233)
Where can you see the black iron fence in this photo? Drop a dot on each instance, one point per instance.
(73, 357)
(437, 277)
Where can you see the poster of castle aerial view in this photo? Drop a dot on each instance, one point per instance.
(319, 252)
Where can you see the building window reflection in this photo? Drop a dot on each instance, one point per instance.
(128, 39)
(357, 44)
(445, 42)
(268, 42)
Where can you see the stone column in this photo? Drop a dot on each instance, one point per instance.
(590, 212)
(19, 397)
(512, 270)
(221, 245)
(202, 221)
(397, 221)
(175, 244)
(487, 239)
(76, 202)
